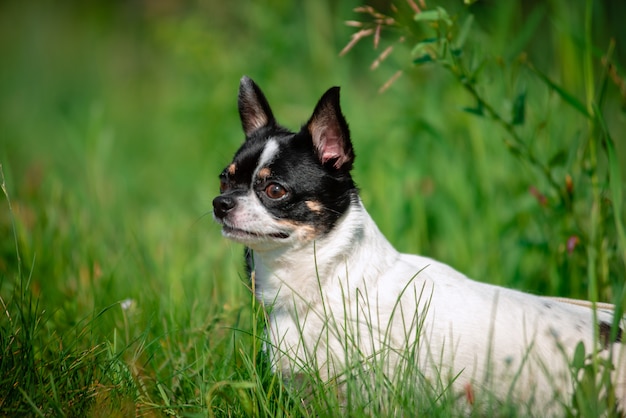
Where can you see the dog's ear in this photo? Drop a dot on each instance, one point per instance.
(331, 136)
(254, 110)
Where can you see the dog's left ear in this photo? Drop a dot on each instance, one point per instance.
(331, 136)
(254, 110)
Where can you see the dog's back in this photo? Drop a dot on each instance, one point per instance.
(379, 304)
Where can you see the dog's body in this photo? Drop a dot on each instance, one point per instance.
(336, 286)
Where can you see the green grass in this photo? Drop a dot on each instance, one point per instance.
(119, 295)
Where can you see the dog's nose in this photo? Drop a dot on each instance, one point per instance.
(222, 205)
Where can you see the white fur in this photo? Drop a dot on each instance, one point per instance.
(269, 153)
(354, 283)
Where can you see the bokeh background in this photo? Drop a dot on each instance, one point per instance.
(117, 116)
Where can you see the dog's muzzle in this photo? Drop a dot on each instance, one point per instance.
(222, 205)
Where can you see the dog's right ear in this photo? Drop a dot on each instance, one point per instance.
(330, 133)
(254, 110)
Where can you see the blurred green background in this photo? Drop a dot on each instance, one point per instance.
(116, 118)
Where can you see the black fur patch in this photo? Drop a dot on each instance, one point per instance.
(248, 257)
(605, 334)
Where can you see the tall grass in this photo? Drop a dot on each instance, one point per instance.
(118, 294)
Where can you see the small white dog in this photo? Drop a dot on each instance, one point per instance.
(336, 285)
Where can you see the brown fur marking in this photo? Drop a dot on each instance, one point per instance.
(264, 173)
(314, 205)
(302, 231)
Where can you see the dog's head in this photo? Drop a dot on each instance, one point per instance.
(284, 187)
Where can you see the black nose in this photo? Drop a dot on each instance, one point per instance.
(222, 205)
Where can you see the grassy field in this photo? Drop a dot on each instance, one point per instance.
(499, 150)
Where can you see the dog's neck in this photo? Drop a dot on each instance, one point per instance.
(354, 252)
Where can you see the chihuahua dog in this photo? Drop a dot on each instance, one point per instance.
(336, 288)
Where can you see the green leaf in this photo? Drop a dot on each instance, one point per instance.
(423, 59)
(565, 95)
(425, 46)
(478, 110)
(528, 30)
(578, 362)
(437, 15)
(558, 159)
(464, 32)
(427, 16)
(518, 113)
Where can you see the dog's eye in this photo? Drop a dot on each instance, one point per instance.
(275, 191)
(224, 185)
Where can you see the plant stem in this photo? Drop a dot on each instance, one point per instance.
(594, 247)
(517, 145)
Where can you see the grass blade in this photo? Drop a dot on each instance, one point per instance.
(564, 94)
(615, 184)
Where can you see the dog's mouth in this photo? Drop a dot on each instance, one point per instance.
(236, 232)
